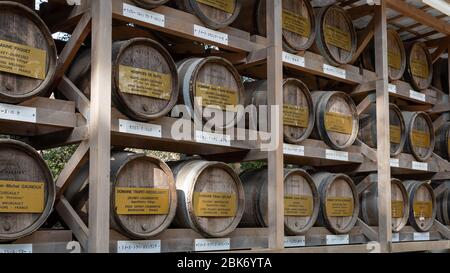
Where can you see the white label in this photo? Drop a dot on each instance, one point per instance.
(139, 246)
(212, 138)
(395, 162)
(18, 113)
(421, 236)
(139, 128)
(293, 59)
(212, 244)
(420, 166)
(290, 149)
(334, 71)
(144, 15)
(336, 155)
(392, 88)
(338, 239)
(294, 241)
(16, 249)
(417, 95)
(395, 237)
(211, 35)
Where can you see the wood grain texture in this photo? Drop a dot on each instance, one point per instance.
(419, 122)
(443, 141)
(420, 191)
(443, 208)
(418, 53)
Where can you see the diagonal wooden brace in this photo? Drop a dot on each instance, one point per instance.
(368, 231)
(71, 218)
(72, 93)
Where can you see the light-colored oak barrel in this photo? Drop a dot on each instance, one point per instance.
(420, 138)
(399, 204)
(337, 121)
(336, 38)
(215, 14)
(339, 202)
(301, 200)
(419, 68)
(211, 198)
(217, 83)
(27, 54)
(422, 205)
(149, 4)
(27, 190)
(145, 78)
(443, 141)
(298, 110)
(396, 56)
(368, 128)
(443, 208)
(440, 75)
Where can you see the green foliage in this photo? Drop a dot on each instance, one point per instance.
(58, 157)
(252, 165)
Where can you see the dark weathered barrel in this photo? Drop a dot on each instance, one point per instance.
(368, 128)
(149, 4)
(145, 79)
(27, 54)
(419, 68)
(301, 200)
(211, 198)
(440, 75)
(443, 141)
(422, 205)
(298, 109)
(27, 190)
(339, 202)
(337, 121)
(420, 139)
(443, 207)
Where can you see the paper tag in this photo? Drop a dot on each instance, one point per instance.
(294, 241)
(144, 82)
(210, 35)
(395, 133)
(141, 201)
(423, 209)
(139, 128)
(334, 71)
(392, 88)
(298, 205)
(338, 123)
(397, 208)
(421, 139)
(395, 237)
(212, 138)
(420, 166)
(394, 162)
(293, 59)
(224, 5)
(290, 149)
(296, 116)
(419, 69)
(338, 239)
(212, 244)
(295, 23)
(144, 15)
(21, 197)
(337, 37)
(417, 95)
(215, 96)
(394, 60)
(18, 113)
(139, 246)
(215, 204)
(336, 155)
(16, 249)
(339, 207)
(421, 236)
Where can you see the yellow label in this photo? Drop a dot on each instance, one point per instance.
(423, 209)
(296, 24)
(337, 37)
(141, 201)
(215, 204)
(225, 5)
(22, 60)
(396, 134)
(338, 123)
(339, 207)
(296, 116)
(397, 209)
(21, 197)
(144, 82)
(298, 205)
(421, 139)
(394, 60)
(419, 69)
(216, 96)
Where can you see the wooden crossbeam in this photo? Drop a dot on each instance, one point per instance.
(364, 38)
(71, 219)
(440, 50)
(72, 93)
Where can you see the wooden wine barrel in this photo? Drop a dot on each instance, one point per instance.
(27, 190)
(440, 75)
(29, 71)
(298, 110)
(420, 139)
(301, 200)
(443, 141)
(419, 68)
(149, 4)
(399, 204)
(216, 82)
(337, 121)
(211, 198)
(368, 128)
(422, 205)
(215, 14)
(396, 56)
(145, 79)
(339, 202)
(336, 38)
(443, 208)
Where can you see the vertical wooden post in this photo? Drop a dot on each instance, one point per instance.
(383, 134)
(100, 127)
(275, 97)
